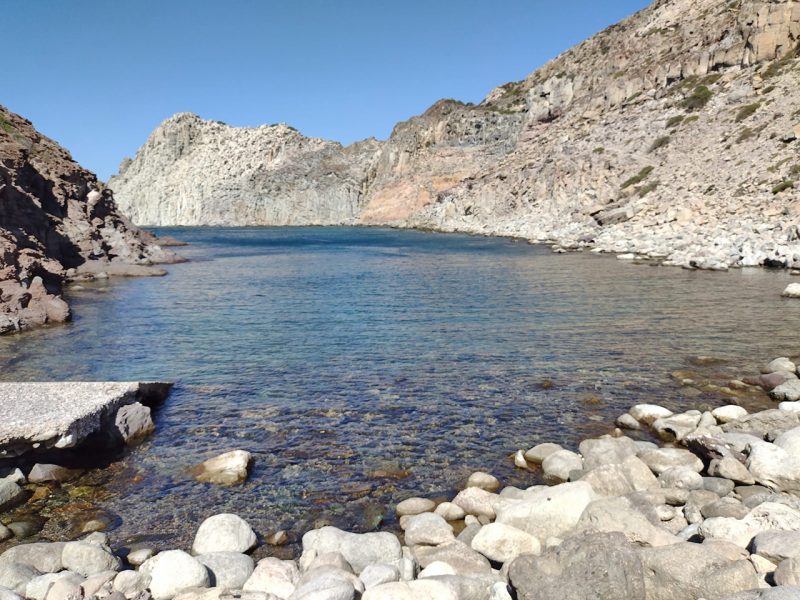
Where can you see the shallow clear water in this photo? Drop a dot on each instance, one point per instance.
(361, 366)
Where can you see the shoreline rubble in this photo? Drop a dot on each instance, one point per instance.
(712, 511)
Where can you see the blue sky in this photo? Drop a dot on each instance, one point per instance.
(99, 75)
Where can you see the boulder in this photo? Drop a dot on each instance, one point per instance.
(661, 459)
(131, 583)
(132, 423)
(788, 572)
(224, 532)
(791, 291)
(88, 559)
(66, 588)
(780, 364)
(772, 423)
(428, 529)
(788, 391)
(773, 467)
(600, 565)
(359, 550)
(43, 473)
(476, 501)
(622, 515)
(16, 576)
(724, 507)
(538, 453)
(273, 576)
(503, 543)
(45, 557)
(457, 554)
(727, 413)
(687, 571)
(732, 469)
(606, 451)
(485, 481)
(173, 572)
(558, 466)
(38, 587)
(229, 468)
(777, 545)
(227, 569)
(414, 506)
(378, 574)
(676, 427)
(548, 512)
(649, 413)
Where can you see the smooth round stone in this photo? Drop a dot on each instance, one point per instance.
(5, 533)
(558, 466)
(25, 529)
(503, 543)
(731, 412)
(519, 460)
(427, 529)
(538, 453)
(227, 569)
(649, 413)
(414, 506)
(379, 573)
(791, 291)
(230, 468)
(449, 511)
(136, 557)
(626, 421)
(436, 569)
(724, 507)
(224, 533)
(780, 364)
(172, 572)
(718, 485)
(88, 558)
(484, 481)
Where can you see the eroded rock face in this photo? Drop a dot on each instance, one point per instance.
(641, 139)
(56, 220)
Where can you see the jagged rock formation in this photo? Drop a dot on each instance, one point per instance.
(56, 221)
(672, 135)
(195, 172)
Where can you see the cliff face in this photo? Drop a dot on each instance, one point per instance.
(672, 134)
(195, 172)
(56, 221)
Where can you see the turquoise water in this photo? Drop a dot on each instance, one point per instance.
(361, 366)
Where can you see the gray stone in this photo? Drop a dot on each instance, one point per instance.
(136, 557)
(45, 557)
(229, 468)
(11, 493)
(649, 413)
(273, 576)
(38, 587)
(664, 458)
(227, 569)
(42, 473)
(428, 529)
(777, 545)
(88, 559)
(16, 576)
(99, 584)
(64, 414)
(478, 502)
(131, 583)
(66, 588)
(606, 451)
(779, 593)
(359, 550)
(682, 478)
(676, 427)
(687, 571)
(720, 487)
(558, 466)
(724, 507)
(548, 512)
(601, 565)
(485, 481)
(730, 468)
(449, 511)
(626, 421)
(623, 515)
(538, 453)
(224, 532)
(414, 506)
(133, 422)
(457, 554)
(378, 574)
(780, 364)
(173, 572)
(503, 543)
(788, 572)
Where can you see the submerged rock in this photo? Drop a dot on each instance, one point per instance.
(230, 468)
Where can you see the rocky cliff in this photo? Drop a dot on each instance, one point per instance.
(56, 222)
(672, 135)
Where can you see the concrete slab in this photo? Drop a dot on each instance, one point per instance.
(63, 414)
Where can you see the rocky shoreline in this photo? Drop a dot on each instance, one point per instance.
(711, 511)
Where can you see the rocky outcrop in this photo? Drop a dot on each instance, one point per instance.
(671, 135)
(196, 172)
(56, 221)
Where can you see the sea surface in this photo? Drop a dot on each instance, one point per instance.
(363, 366)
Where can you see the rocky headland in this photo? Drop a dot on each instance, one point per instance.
(57, 222)
(672, 135)
(667, 506)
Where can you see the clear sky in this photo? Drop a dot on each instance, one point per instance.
(99, 75)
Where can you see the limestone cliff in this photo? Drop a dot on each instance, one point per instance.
(56, 221)
(672, 134)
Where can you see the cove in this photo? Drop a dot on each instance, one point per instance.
(362, 366)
